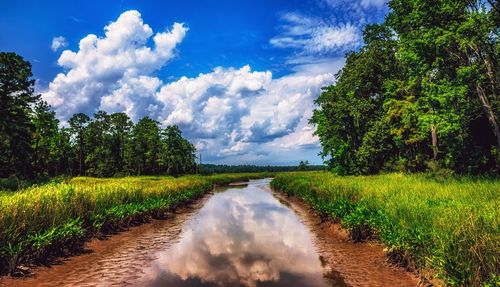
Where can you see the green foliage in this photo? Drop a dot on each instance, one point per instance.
(449, 225)
(303, 165)
(423, 88)
(38, 222)
(33, 145)
(16, 96)
(179, 155)
(212, 168)
(46, 141)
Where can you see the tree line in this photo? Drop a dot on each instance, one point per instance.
(421, 93)
(222, 168)
(32, 143)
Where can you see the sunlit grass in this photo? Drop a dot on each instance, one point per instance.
(55, 218)
(450, 226)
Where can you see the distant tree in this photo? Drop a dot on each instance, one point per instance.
(303, 165)
(145, 146)
(179, 155)
(65, 154)
(45, 137)
(120, 128)
(78, 124)
(99, 147)
(16, 98)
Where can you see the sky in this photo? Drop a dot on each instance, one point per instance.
(238, 77)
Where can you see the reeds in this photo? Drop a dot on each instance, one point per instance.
(448, 229)
(54, 219)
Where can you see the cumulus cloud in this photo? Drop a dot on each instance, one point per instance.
(113, 72)
(58, 42)
(230, 112)
(232, 115)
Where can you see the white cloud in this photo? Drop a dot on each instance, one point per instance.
(356, 4)
(315, 36)
(233, 115)
(373, 3)
(58, 42)
(114, 72)
(230, 112)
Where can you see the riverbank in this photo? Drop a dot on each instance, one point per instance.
(245, 235)
(40, 223)
(450, 226)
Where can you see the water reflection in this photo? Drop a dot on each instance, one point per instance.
(241, 237)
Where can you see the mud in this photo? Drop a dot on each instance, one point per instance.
(244, 235)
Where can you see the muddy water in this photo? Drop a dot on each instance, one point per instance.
(238, 236)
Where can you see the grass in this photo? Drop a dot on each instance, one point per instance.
(55, 219)
(446, 228)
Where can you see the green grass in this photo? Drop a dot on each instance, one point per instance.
(54, 219)
(444, 228)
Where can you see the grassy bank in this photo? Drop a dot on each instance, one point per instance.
(449, 226)
(54, 219)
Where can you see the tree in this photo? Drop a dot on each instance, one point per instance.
(303, 165)
(45, 145)
(64, 153)
(353, 106)
(179, 155)
(145, 146)
(78, 123)
(99, 147)
(16, 98)
(422, 91)
(121, 126)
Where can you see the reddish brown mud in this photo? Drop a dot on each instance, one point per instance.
(243, 236)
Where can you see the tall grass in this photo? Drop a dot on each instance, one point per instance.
(54, 219)
(448, 226)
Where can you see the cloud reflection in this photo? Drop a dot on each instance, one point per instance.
(241, 237)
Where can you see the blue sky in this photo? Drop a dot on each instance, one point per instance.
(238, 77)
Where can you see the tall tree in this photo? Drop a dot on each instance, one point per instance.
(45, 139)
(353, 106)
(179, 155)
(98, 159)
(121, 126)
(64, 152)
(146, 146)
(78, 123)
(16, 98)
(421, 92)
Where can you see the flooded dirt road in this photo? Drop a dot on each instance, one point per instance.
(239, 236)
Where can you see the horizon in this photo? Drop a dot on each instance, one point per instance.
(239, 79)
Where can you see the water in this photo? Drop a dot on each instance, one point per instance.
(240, 237)
(237, 236)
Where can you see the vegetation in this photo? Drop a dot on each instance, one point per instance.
(423, 92)
(55, 218)
(213, 168)
(33, 145)
(451, 226)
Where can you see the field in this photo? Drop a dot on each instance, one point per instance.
(447, 229)
(54, 219)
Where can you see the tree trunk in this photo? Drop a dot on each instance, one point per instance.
(435, 149)
(482, 94)
(81, 154)
(489, 112)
